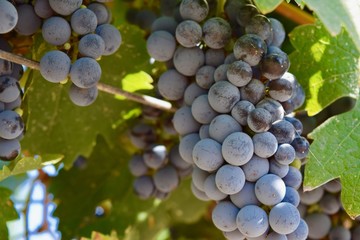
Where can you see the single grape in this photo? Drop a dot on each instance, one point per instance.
(279, 33)
(176, 160)
(220, 73)
(237, 148)
(234, 235)
(144, 18)
(300, 233)
(284, 218)
(255, 168)
(184, 122)
(283, 131)
(17, 71)
(274, 64)
(355, 234)
(142, 135)
(144, 187)
(9, 149)
(311, 197)
(334, 186)
(270, 189)
(8, 16)
(83, 96)
(55, 66)
(281, 89)
(246, 196)
(224, 216)
(273, 106)
(216, 32)
(339, 233)
(253, 92)
(230, 179)
(232, 9)
(222, 126)
(101, 12)
(165, 23)
(261, 26)
(293, 178)
(196, 10)
(166, 179)
(85, 72)
(241, 111)
(137, 166)
(205, 76)
(319, 225)
(198, 193)
(239, 73)
(265, 144)
(6, 67)
(193, 91)
(250, 48)
(301, 146)
(296, 123)
(204, 131)
(65, 7)
(202, 111)
(155, 156)
(211, 190)
(186, 146)
(252, 221)
(214, 57)
(83, 21)
(278, 169)
(28, 22)
(292, 196)
(276, 236)
(207, 155)
(43, 9)
(330, 204)
(111, 37)
(91, 45)
(199, 177)
(188, 60)
(161, 46)
(246, 12)
(259, 120)
(285, 154)
(223, 96)
(172, 85)
(56, 30)
(188, 33)
(9, 89)
(230, 58)
(11, 124)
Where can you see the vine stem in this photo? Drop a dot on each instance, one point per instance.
(294, 13)
(140, 98)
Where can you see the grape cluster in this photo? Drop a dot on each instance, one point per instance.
(67, 24)
(11, 123)
(322, 211)
(233, 124)
(157, 166)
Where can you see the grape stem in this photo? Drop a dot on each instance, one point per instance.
(140, 98)
(294, 13)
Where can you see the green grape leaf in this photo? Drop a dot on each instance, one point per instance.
(336, 14)
(335, 152)
(106, 181)
(56, 126)
(327, 67)
(267, 6)
(25, 164)
(7, 212)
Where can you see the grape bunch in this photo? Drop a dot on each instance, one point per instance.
(322, 211)
(83, 31)
(157, 166)
(11, 123)
(234, 123)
